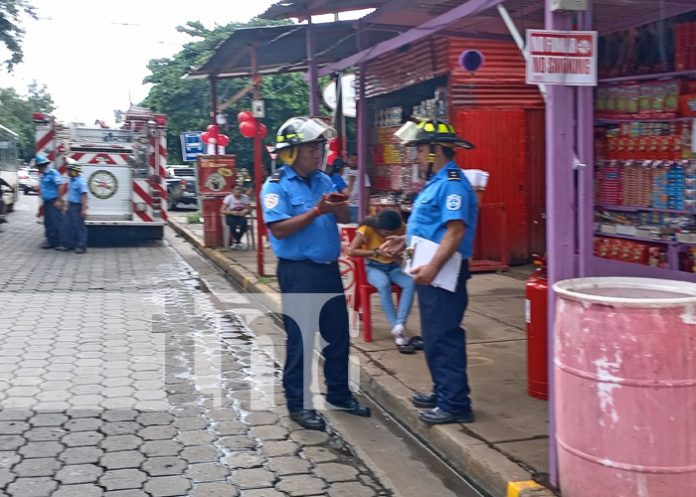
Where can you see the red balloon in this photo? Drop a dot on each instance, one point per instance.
(331, 157)
(263, 131)
(223, 140)
(205, 136)
(213, 129)
(248, 129)
(245, 115)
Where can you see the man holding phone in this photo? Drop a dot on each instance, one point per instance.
(301, 208)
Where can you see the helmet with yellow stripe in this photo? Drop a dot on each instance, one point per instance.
(298, 131)
(432, 132)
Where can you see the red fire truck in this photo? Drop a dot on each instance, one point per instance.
(124, 170)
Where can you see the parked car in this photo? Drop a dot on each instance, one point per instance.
(28, 180)
(181, 186)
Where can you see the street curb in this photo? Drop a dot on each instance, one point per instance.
(485, 467)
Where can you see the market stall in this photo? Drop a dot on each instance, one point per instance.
(645, 176)
(492, 107)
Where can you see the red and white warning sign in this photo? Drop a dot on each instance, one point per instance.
(562, 57)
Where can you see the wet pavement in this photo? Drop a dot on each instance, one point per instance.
(121, 377)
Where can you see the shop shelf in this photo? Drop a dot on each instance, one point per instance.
(638, 120)
(642, 77)
(629, 208)
(609, 267)
(637, 238)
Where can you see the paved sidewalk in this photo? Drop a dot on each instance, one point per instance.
(509, 440)
(119, 377)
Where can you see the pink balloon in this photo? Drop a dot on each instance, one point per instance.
(223, 140)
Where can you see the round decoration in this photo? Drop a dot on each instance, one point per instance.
(216, 182)
(103, 184)
(471, 60)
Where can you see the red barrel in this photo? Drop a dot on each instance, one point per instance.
(212, 221)
(536, 312)
(625, 387)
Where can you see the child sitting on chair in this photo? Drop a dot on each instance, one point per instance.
(383, 270)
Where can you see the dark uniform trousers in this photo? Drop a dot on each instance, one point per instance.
(75, 229)
(444, 342)
(298, 280)
(53, 222)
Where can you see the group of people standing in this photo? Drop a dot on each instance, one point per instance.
(301, 210)
(64, 206)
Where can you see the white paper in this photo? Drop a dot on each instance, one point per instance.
(423, 252)
(477, 178)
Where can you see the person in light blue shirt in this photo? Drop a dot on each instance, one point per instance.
(76, 210)
(445, 212)
(301, 211)
(50, 184)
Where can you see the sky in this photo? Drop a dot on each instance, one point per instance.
(92, 54)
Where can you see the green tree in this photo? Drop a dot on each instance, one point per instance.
(16, 114)
(11, 32)
(187, 103)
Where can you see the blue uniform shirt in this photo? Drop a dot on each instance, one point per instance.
(50, 181)
(76, 188)
(338, 181)
(289, 196)
(446, 196)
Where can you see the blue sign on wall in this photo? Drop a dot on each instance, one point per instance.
(191, 145)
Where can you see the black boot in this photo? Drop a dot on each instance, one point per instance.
(308, 419)
(352, 406)
(424, 400)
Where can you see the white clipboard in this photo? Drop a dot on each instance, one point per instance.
(423, 252)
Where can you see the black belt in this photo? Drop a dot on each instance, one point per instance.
(306, 261)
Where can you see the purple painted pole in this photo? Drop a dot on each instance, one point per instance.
(312, 71)
(361, 112)
(585, 149)
(560, 208)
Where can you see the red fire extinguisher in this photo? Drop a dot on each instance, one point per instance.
(536, 303)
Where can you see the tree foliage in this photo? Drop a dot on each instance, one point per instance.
(11, 32)
(16, 113)
(187, 103)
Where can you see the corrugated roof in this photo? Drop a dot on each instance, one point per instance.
(529, 14)
(301, 9)
(283, 48)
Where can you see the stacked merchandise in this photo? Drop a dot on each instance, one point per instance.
(387, 157)
(610, 184)
(649, 140)
(650, 100)
(685, 46)
(630, 251)
(663, 185)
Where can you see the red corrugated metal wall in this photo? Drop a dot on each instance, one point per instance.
(502, 148)
(500, 82)
(413, 63)
(504, 117)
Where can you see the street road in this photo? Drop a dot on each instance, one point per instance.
(122, 375)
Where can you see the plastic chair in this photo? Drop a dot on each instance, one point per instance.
(250, 233)
(362, 304)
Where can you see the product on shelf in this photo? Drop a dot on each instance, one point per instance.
(630, 251)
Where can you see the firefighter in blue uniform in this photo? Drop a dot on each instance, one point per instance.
(302, 216)
(444, 212)
(50, 185)
(76, 210)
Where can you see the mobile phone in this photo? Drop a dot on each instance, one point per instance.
(336, 197)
